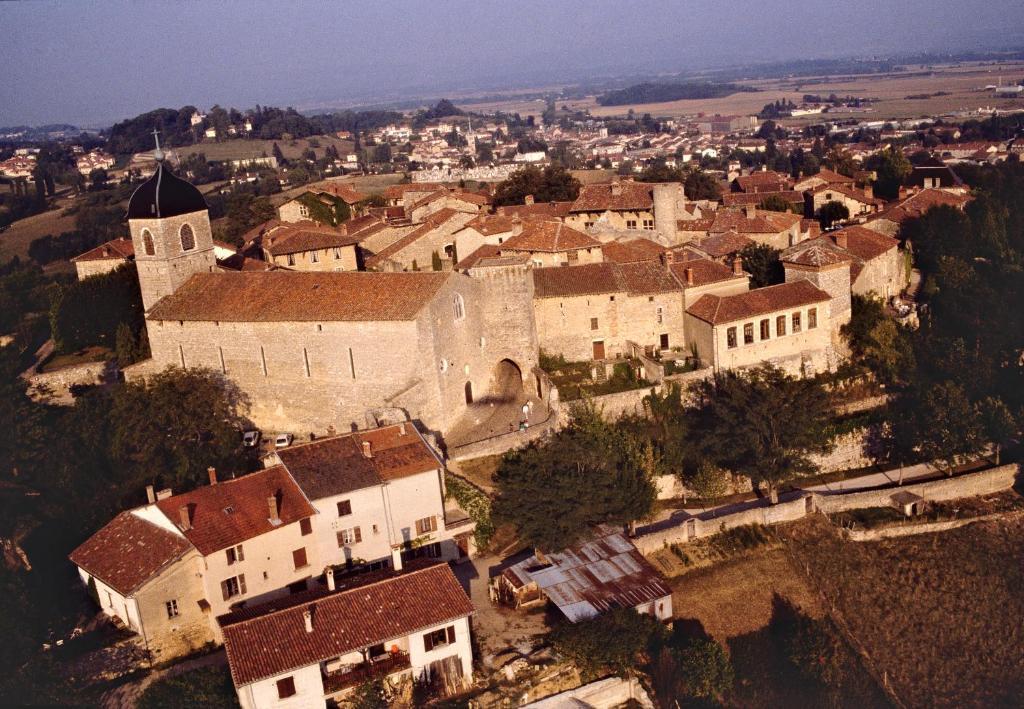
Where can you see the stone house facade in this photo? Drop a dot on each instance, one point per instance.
(788, 325)
(376, 491)
(104, 258)
(860, 203)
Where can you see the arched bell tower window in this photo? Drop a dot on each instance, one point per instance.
(188, 237)
(147, 243)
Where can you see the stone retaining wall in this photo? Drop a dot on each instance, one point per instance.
(683, 530)
(57, 384)
(912, 528)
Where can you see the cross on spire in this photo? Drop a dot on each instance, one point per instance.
(158, 153)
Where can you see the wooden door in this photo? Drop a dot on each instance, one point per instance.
(598, 349)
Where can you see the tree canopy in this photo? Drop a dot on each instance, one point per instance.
(589, 473)
(702, 185)
(551, 184)
(615, 641)
(763, 264)
(762, 423)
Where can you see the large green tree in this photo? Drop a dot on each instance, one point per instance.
(616, 641)
(702, 185)
(589, 473)
(762, 262)
(762, 423)
(551, 184)
(176, 424)
(892, 168)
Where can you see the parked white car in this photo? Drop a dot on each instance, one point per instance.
(283, 440)
(251, 439)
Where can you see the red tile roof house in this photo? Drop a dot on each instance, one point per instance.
(551, 243)
(374, 491)
(593, 311)
(787, 325)
(104, 258)
(168, 568)
(318, 646)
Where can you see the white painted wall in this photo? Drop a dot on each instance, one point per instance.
(309, 691)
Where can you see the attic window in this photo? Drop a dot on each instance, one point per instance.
(229, 510)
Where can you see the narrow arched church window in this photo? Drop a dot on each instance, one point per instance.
(458, 306)
(188, 237)
(147, 243)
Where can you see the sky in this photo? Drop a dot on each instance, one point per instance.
(91, 63)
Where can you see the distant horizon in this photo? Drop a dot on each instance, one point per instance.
(81, 64)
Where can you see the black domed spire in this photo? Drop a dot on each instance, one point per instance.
(164, 194)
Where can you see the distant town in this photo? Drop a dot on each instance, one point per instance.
(543, 402)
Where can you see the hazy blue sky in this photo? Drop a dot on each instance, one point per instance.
(93, 62)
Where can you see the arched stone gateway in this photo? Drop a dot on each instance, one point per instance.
(506, 385)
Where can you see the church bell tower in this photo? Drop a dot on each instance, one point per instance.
(170, 228)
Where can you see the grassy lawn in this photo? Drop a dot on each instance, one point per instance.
(84, 356)
(15, 240)
(939, 612)
(244, 149)
(737, 602)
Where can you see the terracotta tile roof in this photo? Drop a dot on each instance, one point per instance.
(549, 237)
(584, 279)
(631, 251)
(346, 192)
(827, 176)
(446, 217)
(766, 180)
(128, 551)
(556, 210)
(289, 239)
(239, 262)
(233, 511)
(864, 243)
(122, 249)
(468, 197)
(848, 191)
(348, 620)
(739, 199)
(335, 466)
(724, 244)
(486, 251)
(763, 222)
(291, 296)
(695, 225)
(761, 301)
(647, 277)
(704, 271)
(490, 224)
(920, 202)
(815, 254)
(598, 278)
(632, 196)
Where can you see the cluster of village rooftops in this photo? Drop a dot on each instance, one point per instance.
(437, 301)
(328, 566)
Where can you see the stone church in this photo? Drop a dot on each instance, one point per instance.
(315, 351)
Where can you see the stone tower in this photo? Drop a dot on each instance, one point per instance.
(170, 228)
(669, 201)
(828, 269)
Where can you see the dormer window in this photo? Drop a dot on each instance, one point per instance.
(147, 243)
(188, 237)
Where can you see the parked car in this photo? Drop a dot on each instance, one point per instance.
(283, 440)
(251, 439)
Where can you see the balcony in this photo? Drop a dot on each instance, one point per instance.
(335, 682)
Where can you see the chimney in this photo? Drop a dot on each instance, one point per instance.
(401, 428)
(616, 188)
(737, 266)
(272, 508)
(367, 451)
(841, 240)
(106, 251)
(750, 211)
(689, 276)
(150, 495)
(517, 226)
(185, 518)
(212, 472)
(529, 200)
(396, 558)
(307, 616)
(869, 191)
(329, 573)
